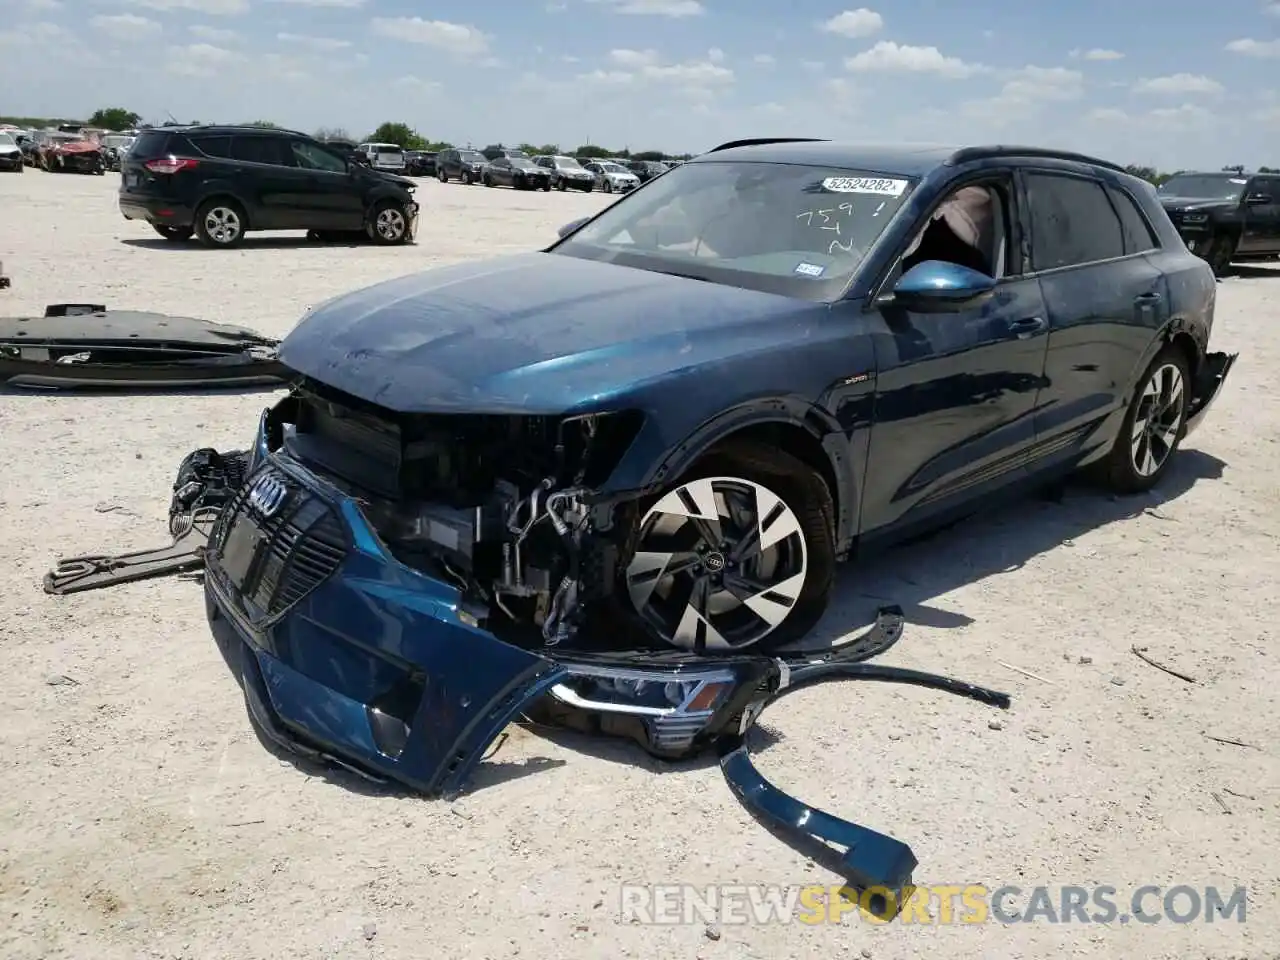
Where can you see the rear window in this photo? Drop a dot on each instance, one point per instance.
(150, 143)
(219, 147)
(269, 150)
(387, 148)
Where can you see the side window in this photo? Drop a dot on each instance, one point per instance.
(213, 146)
(502, 162)
(1138, 237)
(1072, 222)
(1269, 187)
(969, 227)
(268, 150)
(309, 156)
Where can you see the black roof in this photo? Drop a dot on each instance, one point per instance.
(905, 159)
(231, 128)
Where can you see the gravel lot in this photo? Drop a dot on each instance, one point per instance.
(142, 818)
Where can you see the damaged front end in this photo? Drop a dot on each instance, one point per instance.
(393, 591)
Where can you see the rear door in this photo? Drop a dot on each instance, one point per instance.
(1105, 302)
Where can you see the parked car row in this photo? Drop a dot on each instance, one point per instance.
(515, 168)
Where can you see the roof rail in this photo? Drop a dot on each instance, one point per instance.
(966, 154)
(764, 141)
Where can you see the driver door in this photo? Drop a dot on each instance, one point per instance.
(955, 393)
(331, 198)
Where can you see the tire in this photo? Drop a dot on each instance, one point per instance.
(442, 176)
(1153, 426)
(388, 224)
(220, 223)
(608, 186)
(468, 179)
(560, 185)
(1221, 249)
(747, 592)
(173, 234)
(487, 180)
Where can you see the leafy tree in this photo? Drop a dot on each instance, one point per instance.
(649, 155)
(549, 150)
(265, 124)
(401, 134)
(437, 145)
(114, 118)
(591, 150)
(332, 133)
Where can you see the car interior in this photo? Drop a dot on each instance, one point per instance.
(968, 228)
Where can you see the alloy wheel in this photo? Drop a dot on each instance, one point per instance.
(719, 564)
(1158, 420)
(222, 225)
(390, 224)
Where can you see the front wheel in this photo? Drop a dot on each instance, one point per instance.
(1153, 427)
(389, 224)
(739, 553)
(608, 187)
(1219, 255)
(442, 176)
(560, 185)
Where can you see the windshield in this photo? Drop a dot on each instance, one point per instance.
(520, 163)
(7, 141)
(568, 163)
(613, 168)
(471, 156)
(792, 229)
(1204, 187)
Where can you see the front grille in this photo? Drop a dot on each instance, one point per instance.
(303, 544)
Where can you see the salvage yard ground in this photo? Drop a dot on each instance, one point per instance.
(141, 817)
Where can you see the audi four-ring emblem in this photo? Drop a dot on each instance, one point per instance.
(267, 496)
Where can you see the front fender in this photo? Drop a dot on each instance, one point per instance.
(645, 469)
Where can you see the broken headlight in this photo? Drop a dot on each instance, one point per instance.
(670, 712)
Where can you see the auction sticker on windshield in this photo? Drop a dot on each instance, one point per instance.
(877, 185)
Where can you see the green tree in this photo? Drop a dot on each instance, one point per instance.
(332, 133)
(401, 134)
(114, 118)
(591, 150)
(549, 150)
(649, 155)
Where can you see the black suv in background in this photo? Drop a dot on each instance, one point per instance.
(219, 182)
(1225, 216)
(465, 165)
(419, 163)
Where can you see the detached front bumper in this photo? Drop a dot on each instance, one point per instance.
(346, 656)
(1209, 380)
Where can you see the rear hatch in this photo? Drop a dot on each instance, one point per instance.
(388, 157)
(135, 178)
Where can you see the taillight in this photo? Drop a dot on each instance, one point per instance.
(170, 164)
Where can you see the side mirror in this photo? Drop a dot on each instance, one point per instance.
(571, 226)
(1258, 199)
(936, 286)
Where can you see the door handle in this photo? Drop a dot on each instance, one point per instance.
(1147, 299)
(1027, 326)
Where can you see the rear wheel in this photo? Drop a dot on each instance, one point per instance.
(173, 234)
(738, 554)
(220, 223)
(1153, 427)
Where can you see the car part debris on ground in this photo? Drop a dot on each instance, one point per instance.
(87, 346)
(430, 711)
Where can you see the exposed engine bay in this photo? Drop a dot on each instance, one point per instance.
(501, 506)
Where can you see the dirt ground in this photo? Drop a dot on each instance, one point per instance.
(141, 817)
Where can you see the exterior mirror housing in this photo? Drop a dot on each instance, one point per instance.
(571, 226)
(936, 286)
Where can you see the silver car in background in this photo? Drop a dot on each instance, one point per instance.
(613, 178)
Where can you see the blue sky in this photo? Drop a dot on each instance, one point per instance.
(1170, 84)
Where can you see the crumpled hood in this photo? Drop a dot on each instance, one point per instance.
(534, 333)
(77, 146)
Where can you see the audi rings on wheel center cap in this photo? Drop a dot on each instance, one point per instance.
(714, 562)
